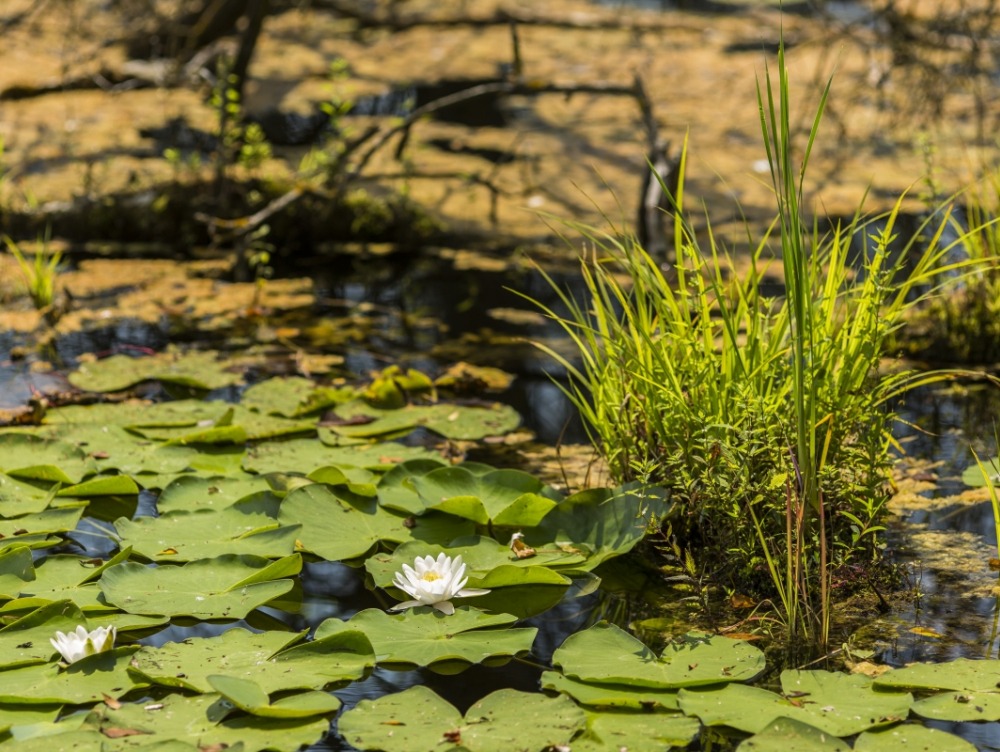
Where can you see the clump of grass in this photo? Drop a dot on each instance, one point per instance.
(40, 274)
(768, 419)
(964, 327)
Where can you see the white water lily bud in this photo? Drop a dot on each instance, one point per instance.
(434, 582)
(81, 643)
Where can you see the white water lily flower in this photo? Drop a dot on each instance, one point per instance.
(434, 582)
(81, 643)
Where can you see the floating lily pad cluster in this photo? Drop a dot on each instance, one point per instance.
(295, 473)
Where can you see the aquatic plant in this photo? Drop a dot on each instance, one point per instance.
(80, 643)
(768, 418)
(39, 276)
(434, 582)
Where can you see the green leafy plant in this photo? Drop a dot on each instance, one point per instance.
(40, 274)
(769, 419)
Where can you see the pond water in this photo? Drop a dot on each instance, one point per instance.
(430, 311)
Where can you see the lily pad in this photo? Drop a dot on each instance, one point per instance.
(243, 528)
(974, 474)
(236, 425)
(294, 397)
(88, 680)
(837, 704)
(784, 734)
(396, 491)
(111, 447)
(913, 738)
(424, 636)
(960, 706)
(226, 587)
(606, 654)
(38, 530)
(611, 695)
(191, 493)
(357, 480)
(339, 530)
(637, 732)
(275, 661)
(65, 577)
(250, 698)
(452, 421)
(415, 718)
(962, 674)
(26, 456)
(503, 497)
(204, 722)
(18, 497)
(305, 455)
(196, 370)
(418, 719)
(102, 485)
(607, 522)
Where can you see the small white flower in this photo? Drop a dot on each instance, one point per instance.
(434, 582)
(81, 643)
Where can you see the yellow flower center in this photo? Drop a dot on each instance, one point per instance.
(430, 576)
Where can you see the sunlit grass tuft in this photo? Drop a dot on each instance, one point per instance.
(768, 418)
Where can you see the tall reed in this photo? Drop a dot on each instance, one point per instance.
(768, 418)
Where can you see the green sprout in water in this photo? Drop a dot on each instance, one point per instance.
(40, 274)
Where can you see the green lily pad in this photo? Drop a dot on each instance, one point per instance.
(294, 397)
(837, 704)
(960, 706)
(111, 447)
(913, 738)
(226, 587)
(606, 654)
(611, 695)
(636, 732)
(339, 530)
(134, 414)
(18, 497)
(275, 661)
(357, 480)
(236, 422)
(86, 681)
(607, 522)
(962, 674)
(243, 528)
(250, 698)
(17, 567)
(21, 716)
(459, 422)
(784, 734)
(418, 719)
(395, 488)
(65, 577)
(503, 497)
(26, 456)
(204, 722)
(424, 636)
(415, 718)
(102, 485)
(190, 493)
(195, 370)
(974, 474)
(305, 455)
(38, 530)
